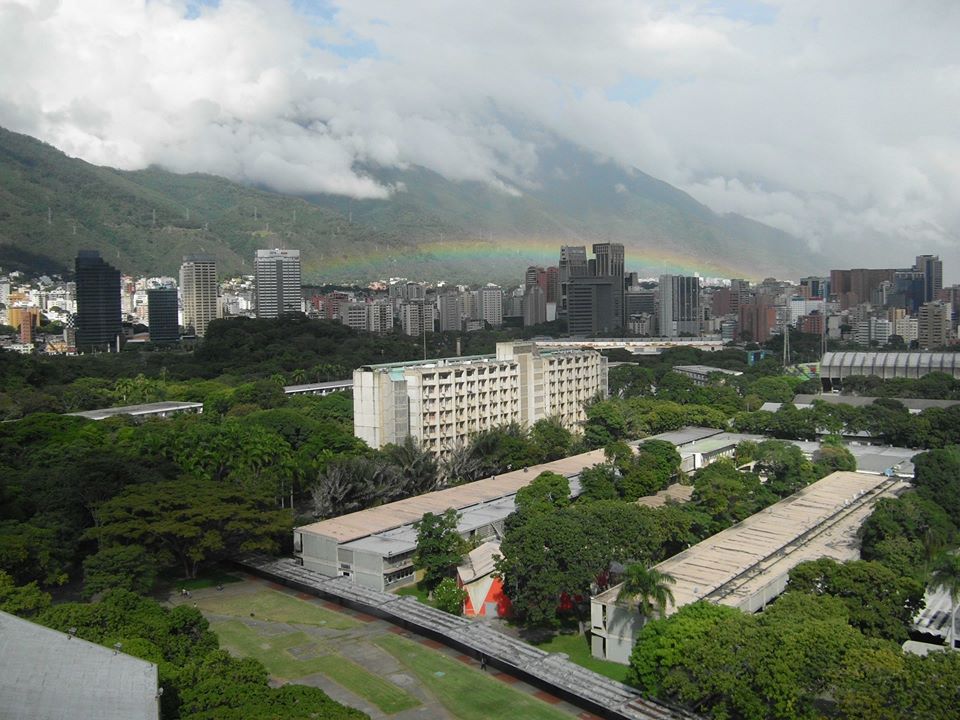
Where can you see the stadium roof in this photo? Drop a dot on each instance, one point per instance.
(48, 674)
(888, 365)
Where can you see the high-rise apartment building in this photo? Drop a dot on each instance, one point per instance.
(278, 280)
(163, 315)
(553, 284)
(491, 305)
(853, 287)
(448, 310)
(441, 403)
(534, 306)
(198, 289)
(573, 263)
(931, 268)
(756, 318)
(596, 301)
(679, 314)
(98, 320)
(934, 325)
(416, 317)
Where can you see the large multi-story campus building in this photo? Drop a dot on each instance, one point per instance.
(441, 403)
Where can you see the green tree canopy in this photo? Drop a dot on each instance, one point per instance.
(191, 522)
(439, 546)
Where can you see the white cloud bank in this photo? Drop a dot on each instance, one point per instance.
(834, 121)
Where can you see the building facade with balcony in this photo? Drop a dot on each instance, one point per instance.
(442, 403)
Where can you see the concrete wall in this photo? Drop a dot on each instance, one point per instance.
(614, 628)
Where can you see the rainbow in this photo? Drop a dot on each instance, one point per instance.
(523, 251)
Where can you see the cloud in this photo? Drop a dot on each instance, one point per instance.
(833, 121)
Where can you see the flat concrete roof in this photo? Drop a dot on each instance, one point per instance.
(363, 523)
(676, 492)
(311, 387)
(685, 435)
(736, 562)
(47, 674)
(143, 409)
(705, 369)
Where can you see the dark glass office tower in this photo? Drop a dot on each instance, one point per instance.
(98, 302)
(162, 314)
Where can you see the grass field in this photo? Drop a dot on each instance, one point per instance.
(279, 654)
(577, 648)
(271, 606)
(465, 692)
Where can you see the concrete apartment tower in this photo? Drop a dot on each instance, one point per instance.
(98, 318)
(679, 306)
(279, 284)
(198, 285)
(162, 315)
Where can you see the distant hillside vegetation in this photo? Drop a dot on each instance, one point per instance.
(143, 222)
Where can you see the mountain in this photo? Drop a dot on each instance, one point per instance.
(432, 228)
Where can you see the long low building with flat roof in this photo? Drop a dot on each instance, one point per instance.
(145, 410)
(374, 547)
(746, 566)
(699, 447)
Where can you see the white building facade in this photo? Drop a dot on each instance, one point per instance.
(442, 403)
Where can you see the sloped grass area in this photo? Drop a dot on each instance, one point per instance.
(270, 606)
(296, 655)
(577, 648)
(465, 692)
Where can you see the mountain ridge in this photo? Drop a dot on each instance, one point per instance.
(51, 205)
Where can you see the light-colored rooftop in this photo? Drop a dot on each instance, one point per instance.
(404, 512)
(313, 387)
(47, 674)
(705, 370)
(676, 492)
(156, 408)
(479, 561)
(819, 521)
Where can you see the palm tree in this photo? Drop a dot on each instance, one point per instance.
(946, 575)
(648, 587)
(299, 376)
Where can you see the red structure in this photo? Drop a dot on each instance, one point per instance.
(485, 596)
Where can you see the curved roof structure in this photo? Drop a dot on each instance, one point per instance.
(888, 365)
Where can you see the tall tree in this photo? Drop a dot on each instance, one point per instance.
(946, 575)
(439, 546)
(648, 588)
(191, 522)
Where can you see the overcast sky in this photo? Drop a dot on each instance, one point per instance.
(836, 120)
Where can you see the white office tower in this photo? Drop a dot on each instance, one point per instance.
(441, 403)
(198, 289)
(278, 280)
(491, 305)
(679, 306)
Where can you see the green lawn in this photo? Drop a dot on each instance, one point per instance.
(416, 591)
(577, 647)
(271, 606)
(212, 578)
(277, 655)
(467, 693)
